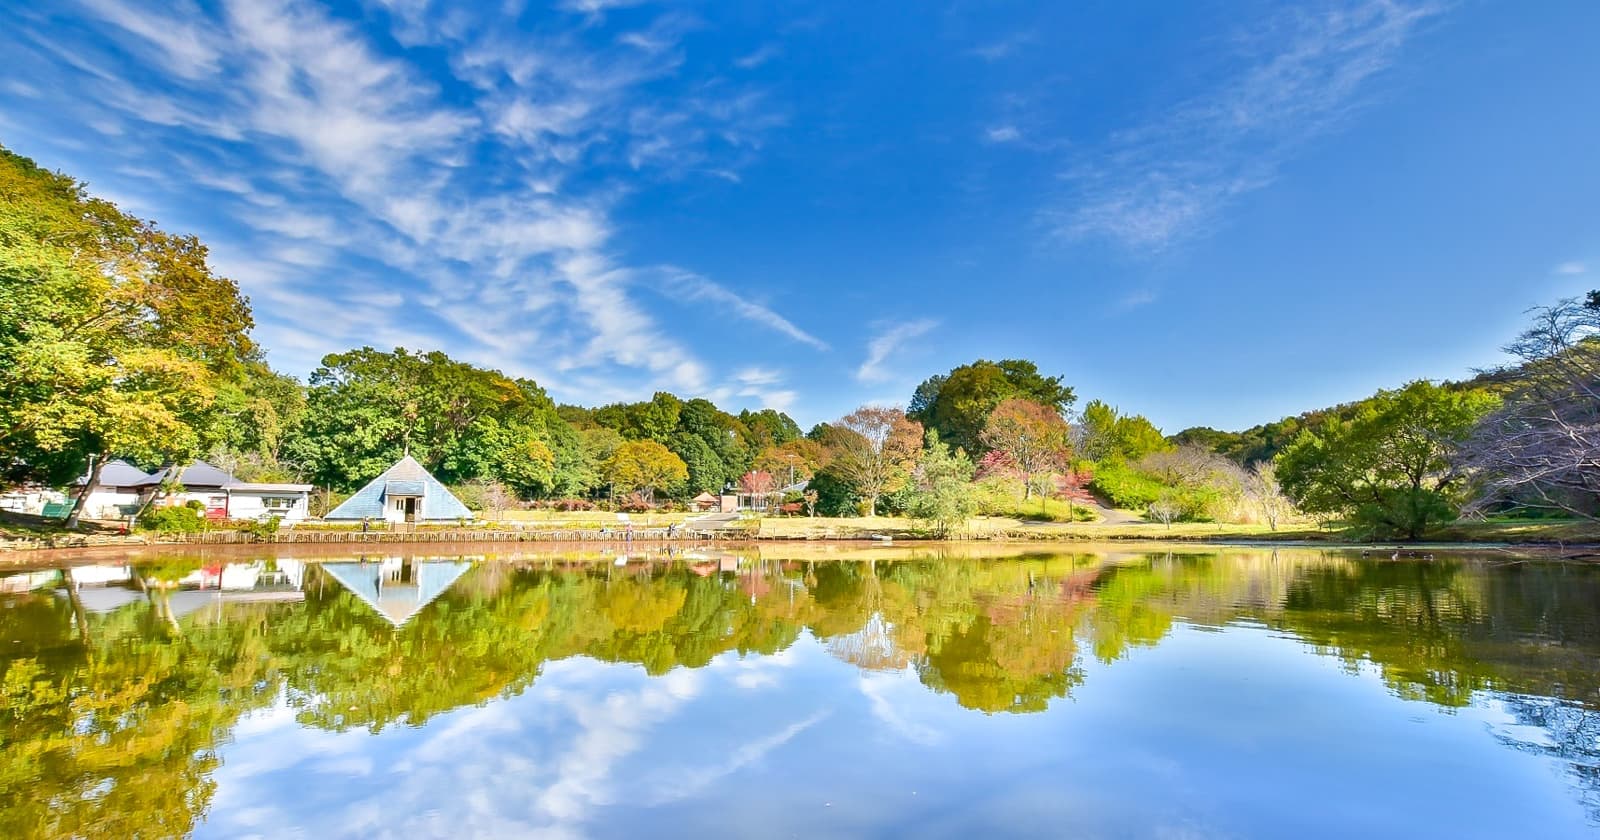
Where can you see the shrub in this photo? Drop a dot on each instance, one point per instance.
(1125, 487)
(634, 504)
(264, 528)
(175, 519)
(565, 505)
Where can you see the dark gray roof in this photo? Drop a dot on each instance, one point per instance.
(408, 476)
(197, 474)
(403, 488)
(118, 474)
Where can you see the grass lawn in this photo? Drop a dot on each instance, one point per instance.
(28, 526)
(585, 519)
(1050, 510)
(993, 527)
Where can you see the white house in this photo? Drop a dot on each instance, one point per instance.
(119, 493)
(226, 497)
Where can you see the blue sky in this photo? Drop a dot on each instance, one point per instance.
(1213, 213)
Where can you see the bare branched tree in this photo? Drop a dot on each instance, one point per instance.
(1195, 467)
(1165, 510)
(1541, 449)
(1266, 494)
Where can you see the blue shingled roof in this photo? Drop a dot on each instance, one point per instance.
(405, 478)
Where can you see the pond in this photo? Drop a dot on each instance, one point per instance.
(889, 692)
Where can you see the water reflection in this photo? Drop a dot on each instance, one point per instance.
(124, 684)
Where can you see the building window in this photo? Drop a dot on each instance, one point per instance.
(278, 502)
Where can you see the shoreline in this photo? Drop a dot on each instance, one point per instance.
(792, 548)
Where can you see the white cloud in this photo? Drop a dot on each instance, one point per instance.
(756, 377)
(695, 287)
(1136, 299)
(343, 177)
(762, 55)
(1306, 72)
(189, 49)
(1003, 47)
(1571, 269)
(883, 345)
(1002, 134)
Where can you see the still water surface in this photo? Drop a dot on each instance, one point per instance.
(1227, 693)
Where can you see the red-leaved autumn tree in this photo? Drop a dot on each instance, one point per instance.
(1035, 437)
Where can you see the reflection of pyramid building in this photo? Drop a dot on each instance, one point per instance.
(396, 588)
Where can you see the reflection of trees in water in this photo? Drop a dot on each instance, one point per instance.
(118, 737)
(1569, 732)
(129, 705)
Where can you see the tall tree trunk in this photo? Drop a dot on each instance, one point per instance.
(88, 488)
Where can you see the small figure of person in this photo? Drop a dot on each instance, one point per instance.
(363, 524)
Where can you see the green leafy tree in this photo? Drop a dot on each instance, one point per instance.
(707, 472)
(958, 404)
(943, 494)
(114, 335)
(768, 427)
(1107, 434)
(645, 466)
(366, 408)
(1387, 469)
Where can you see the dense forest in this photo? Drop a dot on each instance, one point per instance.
(118, 341)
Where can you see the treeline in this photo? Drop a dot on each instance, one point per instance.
(117, 341)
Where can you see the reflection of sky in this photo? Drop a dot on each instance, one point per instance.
(1210, 734)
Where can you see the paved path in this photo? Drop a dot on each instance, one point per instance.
(712, 522)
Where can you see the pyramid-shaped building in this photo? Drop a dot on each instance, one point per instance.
(406, 492)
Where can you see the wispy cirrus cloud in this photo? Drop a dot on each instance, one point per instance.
(1001, 48)
(343, 176)
(1137, 298)
(694, 287)
(757, 57)
(1572, 268)
(1002, 134)
(1300, 76)
(889, 340)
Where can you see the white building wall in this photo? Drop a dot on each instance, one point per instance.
(252, 504)
(103, 502)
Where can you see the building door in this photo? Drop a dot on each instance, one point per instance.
(411, 509)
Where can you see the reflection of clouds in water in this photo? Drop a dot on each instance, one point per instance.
(755, 672)
(536, 765)
(609, 731)
(687, 782)
(879, 687)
